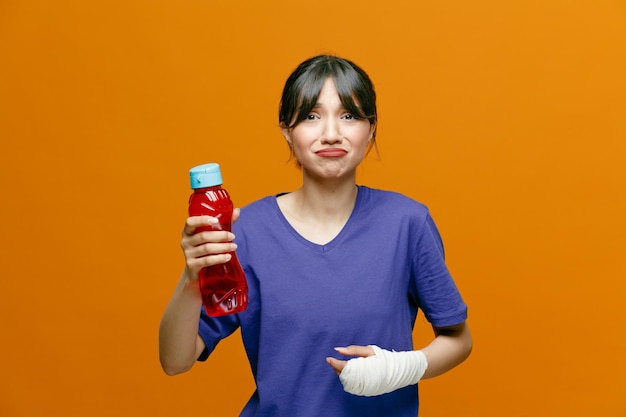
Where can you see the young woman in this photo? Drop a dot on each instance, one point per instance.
(336, 271)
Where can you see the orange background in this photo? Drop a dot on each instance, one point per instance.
(506, 118)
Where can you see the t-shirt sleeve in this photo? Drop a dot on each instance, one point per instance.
(432, 286)
(214, 329)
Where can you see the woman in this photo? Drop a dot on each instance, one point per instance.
(336, 272)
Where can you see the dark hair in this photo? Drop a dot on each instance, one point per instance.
(302, 89)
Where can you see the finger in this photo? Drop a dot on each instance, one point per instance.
(217, 243)
(336, 364)
(362, 351)
(236, 213)
(194, 222)
(208, 249)
(195, 264)
(210, 237)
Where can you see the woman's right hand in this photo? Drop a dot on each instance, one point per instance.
(205, 248)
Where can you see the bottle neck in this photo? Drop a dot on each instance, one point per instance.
(205, 189)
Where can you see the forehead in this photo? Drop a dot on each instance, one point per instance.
(328, 94)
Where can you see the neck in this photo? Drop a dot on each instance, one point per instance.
(326, 201)
(319, 209)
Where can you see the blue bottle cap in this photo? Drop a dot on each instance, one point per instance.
(207, 175)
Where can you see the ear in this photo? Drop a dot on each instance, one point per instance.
(286, 131)
(373, 127)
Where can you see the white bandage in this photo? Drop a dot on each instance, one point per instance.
(385, 372)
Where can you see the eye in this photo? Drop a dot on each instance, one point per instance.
(312, 116)
(350, 117)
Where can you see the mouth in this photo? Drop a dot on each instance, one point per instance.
(331, 152)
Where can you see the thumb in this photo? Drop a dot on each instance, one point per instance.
(236, 213)
(336, 364)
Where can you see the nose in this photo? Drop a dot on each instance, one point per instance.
(331, 132)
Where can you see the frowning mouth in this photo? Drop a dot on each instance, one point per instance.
(331, 152)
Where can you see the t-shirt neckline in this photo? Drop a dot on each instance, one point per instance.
(334, 242)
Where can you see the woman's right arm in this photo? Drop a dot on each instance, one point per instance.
(179, 342)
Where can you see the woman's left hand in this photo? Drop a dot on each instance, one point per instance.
(360, 351)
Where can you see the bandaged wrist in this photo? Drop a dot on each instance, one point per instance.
(384, 372)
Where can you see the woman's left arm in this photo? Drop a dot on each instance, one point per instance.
(377, 371)
(451, 346)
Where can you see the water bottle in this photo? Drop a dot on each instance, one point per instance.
(224, 288)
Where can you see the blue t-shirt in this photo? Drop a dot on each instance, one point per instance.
(363, 287)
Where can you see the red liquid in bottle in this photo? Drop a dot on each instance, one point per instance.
(224, 287)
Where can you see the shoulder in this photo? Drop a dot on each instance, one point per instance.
(259, 206)
(257, 212)
(400, 203)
